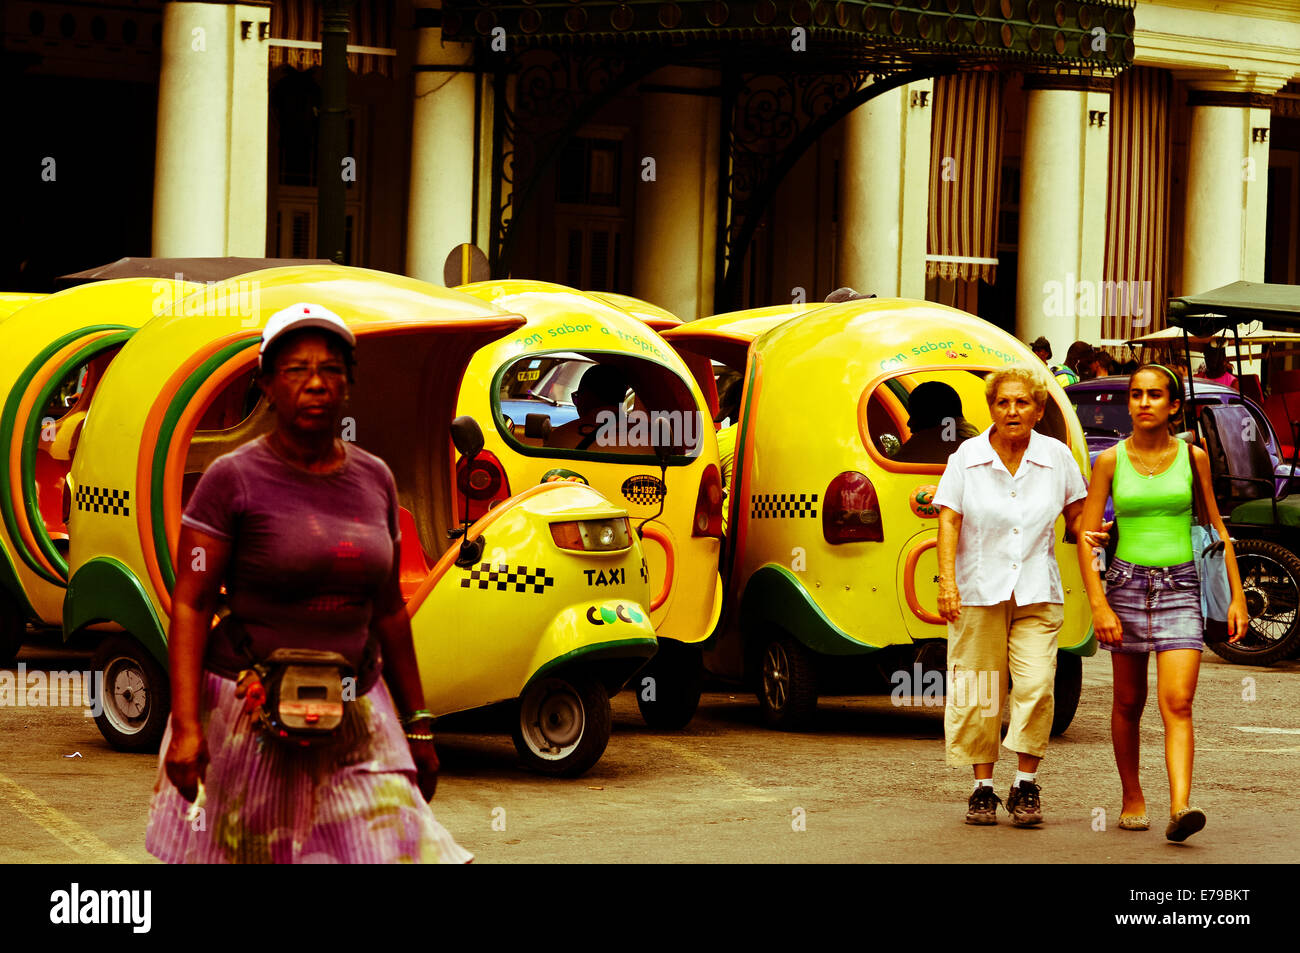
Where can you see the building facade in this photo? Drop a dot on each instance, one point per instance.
(1057, 168)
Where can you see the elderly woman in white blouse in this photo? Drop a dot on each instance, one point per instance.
(1000, 588)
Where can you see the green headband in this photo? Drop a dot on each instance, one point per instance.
(1172, 376)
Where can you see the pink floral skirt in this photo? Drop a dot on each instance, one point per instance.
(354, 802)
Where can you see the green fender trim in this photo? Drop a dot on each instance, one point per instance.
(1087, 648)
(9, 582)
(104, 590)
(632, 652)
(9, 420)
(774, 595)
(31, 440)
(165, 433)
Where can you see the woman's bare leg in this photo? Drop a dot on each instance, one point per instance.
(1129, 699)
(1176, 673)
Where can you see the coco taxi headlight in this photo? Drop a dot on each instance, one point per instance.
(592, 536)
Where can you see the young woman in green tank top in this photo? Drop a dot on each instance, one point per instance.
(1151, 598)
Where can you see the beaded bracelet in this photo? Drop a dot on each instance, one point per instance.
(419, 736)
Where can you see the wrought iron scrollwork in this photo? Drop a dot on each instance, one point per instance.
(555, 93)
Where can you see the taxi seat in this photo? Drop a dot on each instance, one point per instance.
(207, 445)
(51, 474)
(413, 565)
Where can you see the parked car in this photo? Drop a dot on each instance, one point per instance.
(1102, 406)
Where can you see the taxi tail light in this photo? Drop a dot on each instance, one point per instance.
(592, 536)
(708, 504)
(851, 510)
(483, 482)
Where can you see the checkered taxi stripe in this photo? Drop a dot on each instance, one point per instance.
(502, 578)
(782, 505)
(98, 499)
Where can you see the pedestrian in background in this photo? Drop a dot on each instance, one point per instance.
(1152, 601)
(1000, 588)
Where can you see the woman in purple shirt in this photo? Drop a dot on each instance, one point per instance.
(302, 528)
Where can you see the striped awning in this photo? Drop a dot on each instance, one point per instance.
(299, 21)
(1137, 205)
(965, 173)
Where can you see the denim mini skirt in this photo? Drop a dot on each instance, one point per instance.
(1159, 607)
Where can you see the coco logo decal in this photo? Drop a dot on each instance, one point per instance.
(922, 501)
(643, 488)
(603, 615)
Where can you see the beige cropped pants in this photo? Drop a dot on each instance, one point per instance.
(985, 645)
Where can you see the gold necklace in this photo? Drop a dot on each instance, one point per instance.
(1151, 471)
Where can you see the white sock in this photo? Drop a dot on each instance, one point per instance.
(983, 783)
(1025, 776)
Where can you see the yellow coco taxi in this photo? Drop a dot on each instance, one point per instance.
(11, 301)
(830, 557)
(582, 392)
(505, 615)
(56, 349)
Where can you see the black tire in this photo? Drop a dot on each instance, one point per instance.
(1066, 690)
(674, 695)
(137, 695)
(13, 629)
(562, 725)
(787, 687)
(1270, 576)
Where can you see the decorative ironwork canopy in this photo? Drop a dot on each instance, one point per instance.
(1093, 35)
(788, 70)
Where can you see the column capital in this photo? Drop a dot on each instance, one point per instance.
(1219, 82)
(1069, 82)
(1232, 98)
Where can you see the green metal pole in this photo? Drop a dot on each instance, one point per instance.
(330, 219)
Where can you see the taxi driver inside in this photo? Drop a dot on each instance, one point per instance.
(598, 404)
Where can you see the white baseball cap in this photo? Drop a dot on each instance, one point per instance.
(303, 315)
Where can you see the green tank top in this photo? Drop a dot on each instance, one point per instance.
(1153, 514)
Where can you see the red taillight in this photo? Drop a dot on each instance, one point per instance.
(484, 482)
(708, 504)
(851, 512)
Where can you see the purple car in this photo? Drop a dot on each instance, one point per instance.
(1102, 406)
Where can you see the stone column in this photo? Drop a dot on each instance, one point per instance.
(676, 210)
(884, 193)
(1227, 188)
(1062, 238)
(210, 171)
(442, 197)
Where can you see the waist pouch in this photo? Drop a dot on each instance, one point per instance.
(298, 696)
(304, 695)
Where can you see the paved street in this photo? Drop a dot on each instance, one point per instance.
(868, 785)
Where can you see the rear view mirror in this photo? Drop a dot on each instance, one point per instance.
(467, 436)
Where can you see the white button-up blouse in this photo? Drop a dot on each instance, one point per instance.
(1006, 544)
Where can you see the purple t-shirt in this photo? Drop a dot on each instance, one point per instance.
(310, 552)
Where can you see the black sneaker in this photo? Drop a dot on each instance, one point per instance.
(1023, 804)
(982, 808)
